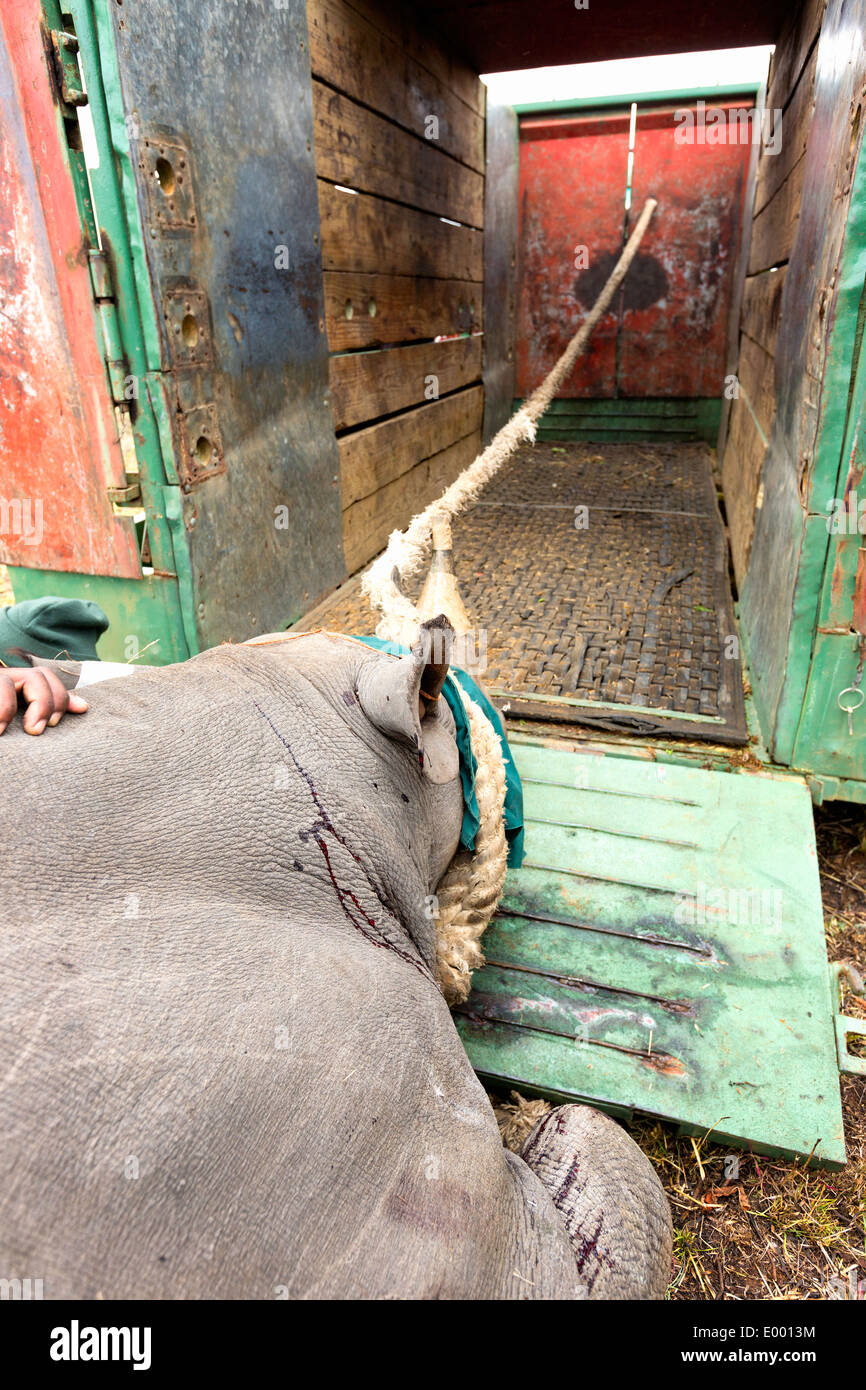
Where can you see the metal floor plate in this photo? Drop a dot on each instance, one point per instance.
(599, 576)
(662, 952)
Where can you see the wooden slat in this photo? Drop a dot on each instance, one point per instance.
(762, 307)
(348, 53)
(401, 23)
(741, 474)
(365, 385)
(775, 226)
(371, 234)
(357, 148)
(368, 522)
(396, 308)
(756, 377)
(774, 169)
(372, 458)
(795, 41)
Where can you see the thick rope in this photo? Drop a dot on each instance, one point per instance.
(408, 550)
(472, 884)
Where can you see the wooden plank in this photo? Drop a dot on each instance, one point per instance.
(360, 232)
(501, 200)
(741, 475)
(793, 133)
(792, 50)
(348, 53)
(357, 148)
(775, 226)
(365, 385)
(372, 458)
(368, 522)
(369, 310)
(762, 307)
(756, 378)
(402, 25)
(741, 266)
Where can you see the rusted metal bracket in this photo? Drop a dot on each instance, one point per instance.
(64, 53)
(188, 328)
(165, 165)
(201, 454)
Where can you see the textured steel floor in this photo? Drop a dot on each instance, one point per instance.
(616, 615)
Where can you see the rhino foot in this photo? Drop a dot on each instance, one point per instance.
(607, 1193)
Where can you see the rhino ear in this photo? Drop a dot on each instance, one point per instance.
(401, 697)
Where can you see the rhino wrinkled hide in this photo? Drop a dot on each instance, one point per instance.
(227, 1071)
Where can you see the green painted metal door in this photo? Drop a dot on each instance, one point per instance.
(662, 951)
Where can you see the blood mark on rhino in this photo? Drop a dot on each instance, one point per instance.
(349, 903)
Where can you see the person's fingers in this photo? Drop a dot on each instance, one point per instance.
(59, 694)
(36, 689)
(8, 698)
(45, 695)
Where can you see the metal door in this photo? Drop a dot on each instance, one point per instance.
(665, 338)
(59, 446)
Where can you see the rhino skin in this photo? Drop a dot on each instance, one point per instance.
(227, 1071)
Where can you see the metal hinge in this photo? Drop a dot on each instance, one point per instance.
(118, 367)
(103, 293)
(64, 51)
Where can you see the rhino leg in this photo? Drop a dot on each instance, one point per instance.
(607, 1193)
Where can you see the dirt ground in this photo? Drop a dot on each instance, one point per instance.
(778, 1230)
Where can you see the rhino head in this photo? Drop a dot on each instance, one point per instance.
(229, 1069)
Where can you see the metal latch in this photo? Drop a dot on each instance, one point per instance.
(65, 53)
(847, 1026)
(122, 496)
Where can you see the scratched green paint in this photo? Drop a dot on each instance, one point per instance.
(710, 1006)
(798, 734)
(146, 610)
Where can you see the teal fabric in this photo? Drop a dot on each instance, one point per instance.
(51, 627)
(468, 764)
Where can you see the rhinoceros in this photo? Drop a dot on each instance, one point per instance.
(227, 1069)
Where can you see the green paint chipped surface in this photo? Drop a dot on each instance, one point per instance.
(662, 952)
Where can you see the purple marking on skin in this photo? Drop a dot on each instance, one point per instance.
(344, 895)
(570, 1179)
(532, 1144)
(584, 1247)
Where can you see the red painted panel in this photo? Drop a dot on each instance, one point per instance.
(676, 345)
(58, 443)
(572, 188)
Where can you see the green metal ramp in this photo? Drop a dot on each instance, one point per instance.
(662, 951)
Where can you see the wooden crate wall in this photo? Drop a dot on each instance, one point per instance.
(778, 191)
(396, 275)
